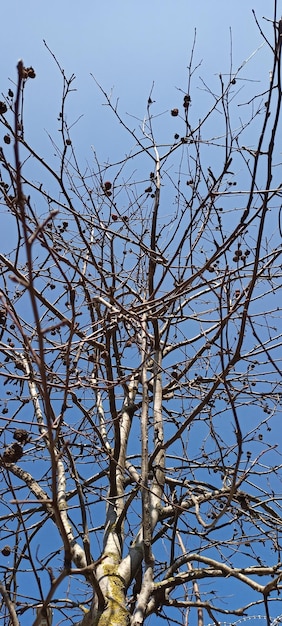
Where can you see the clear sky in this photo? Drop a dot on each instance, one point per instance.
(126, 45)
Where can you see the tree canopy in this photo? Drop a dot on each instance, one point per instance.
(141, 363)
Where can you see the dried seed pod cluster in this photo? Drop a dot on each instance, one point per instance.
(14, 451)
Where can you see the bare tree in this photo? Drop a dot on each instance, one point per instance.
(140, 370)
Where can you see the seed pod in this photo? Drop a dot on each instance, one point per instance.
(3, 108)
(13, 453)
(186, 101)
(30, 72)
(6, 551)
(21, 435)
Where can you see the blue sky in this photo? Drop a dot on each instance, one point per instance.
(126, 45)
(127, 41)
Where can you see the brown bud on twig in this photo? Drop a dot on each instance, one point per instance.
(107, 186)
(186, 101)
(3, 316)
